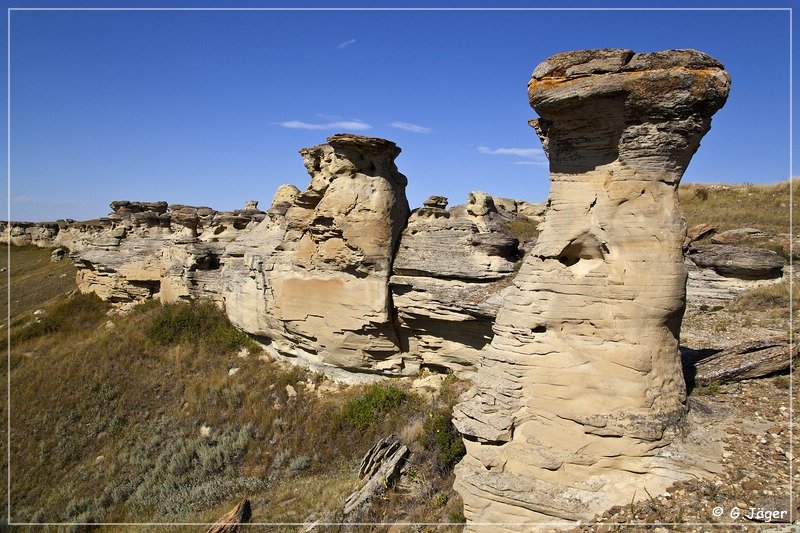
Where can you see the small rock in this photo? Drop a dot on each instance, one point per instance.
(99, 459)
(751, 485)
(205, 430)
(439, 202)
(233, 370)
(38, 313)
(290, 392)
(243, 353)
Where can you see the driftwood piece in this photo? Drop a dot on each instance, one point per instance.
(230, 522)
(744, 361)
(381, 465)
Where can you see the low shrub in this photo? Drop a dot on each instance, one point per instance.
(523, 229)
(441, 437)
(70, 314)
(711, 389)
(379, 399)
(196, 323)
(43, 326)
(188, 465)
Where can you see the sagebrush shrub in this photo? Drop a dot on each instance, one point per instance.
(362, 411)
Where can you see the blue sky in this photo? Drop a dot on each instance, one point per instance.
(211, 107)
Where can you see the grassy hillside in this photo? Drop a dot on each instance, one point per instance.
(35, 279)
(764, 207)
(142, 417)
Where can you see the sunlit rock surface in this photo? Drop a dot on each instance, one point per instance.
(582, 384)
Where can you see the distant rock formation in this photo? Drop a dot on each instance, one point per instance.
(582, 383)
(449, 275)
(152, 249)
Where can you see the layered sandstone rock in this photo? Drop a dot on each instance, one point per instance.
(449, 275)
(582, 385)
(152, 249)
(314, 277)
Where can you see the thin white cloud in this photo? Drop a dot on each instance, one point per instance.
(47, 200)
(353, 125)
(527, 153)
(415, 128)
(345, 44)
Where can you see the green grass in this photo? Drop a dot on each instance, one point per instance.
(770, 297)
(378, 400)
(441, 436)
(107, 412)
(196, 322)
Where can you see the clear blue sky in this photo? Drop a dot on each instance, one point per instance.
(210, 108)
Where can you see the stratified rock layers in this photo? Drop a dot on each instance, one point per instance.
(314, 276)
(582, 382)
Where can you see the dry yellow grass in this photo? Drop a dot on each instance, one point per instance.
(35, 279)
(765, 207)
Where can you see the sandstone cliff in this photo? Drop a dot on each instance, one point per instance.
(152, 249)
(582, 383)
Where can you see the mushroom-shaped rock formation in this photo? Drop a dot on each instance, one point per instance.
(582, 386)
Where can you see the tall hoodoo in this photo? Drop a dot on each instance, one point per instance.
(314, 277)
(582, 386)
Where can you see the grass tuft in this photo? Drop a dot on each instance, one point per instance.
(196, 323)
(731, 206)
(363, 411)
(523, 229)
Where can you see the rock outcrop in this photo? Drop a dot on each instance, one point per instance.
(314, 276)
(582, 384)
(380, 468)
(152, 249)
(230, 522)
(749, 360)
(449, 273)
(743, 262)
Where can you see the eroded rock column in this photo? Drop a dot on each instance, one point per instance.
(314, 276)
(581, 387)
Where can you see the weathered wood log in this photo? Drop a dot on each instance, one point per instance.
(381, 465)
(230, 522)
(744, 361)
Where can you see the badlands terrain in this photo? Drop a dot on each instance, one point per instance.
(107, 405)
(615, 358)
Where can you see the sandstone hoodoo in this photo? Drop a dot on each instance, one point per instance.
(314, 276)
(582, 384)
